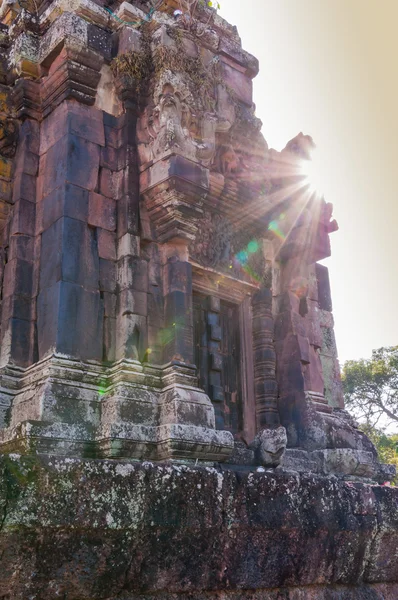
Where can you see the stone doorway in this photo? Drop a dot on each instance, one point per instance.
(218, 358)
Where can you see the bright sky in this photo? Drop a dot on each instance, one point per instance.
(329, 68)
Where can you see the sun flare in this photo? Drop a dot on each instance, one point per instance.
(316, 174)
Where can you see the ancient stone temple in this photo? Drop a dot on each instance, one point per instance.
(172, 423)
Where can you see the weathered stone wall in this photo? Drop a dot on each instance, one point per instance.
(76, 529)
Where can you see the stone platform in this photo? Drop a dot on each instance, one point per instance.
(99, 529)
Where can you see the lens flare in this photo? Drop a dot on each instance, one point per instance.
(274, 227)
(252, 247)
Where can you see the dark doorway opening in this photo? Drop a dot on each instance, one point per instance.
(218, 359)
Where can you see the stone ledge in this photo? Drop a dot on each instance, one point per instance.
(96, 529)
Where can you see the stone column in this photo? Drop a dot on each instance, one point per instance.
(266, 388)
(215, 358)
(73, 214)
(18, 318)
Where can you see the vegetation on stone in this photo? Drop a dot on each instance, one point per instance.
(386, 445)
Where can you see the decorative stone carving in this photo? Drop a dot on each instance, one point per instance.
(212, 246)
(179, 123)
(301, 145)
(269, 446)
(169, 124)
(227, 161)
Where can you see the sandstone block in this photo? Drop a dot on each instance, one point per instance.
(69, 253)
(102, 212)
(106, 244)
(66, 201)
(70, 321)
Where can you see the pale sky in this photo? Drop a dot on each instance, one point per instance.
(329, 68)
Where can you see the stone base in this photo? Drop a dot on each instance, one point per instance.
(107, 529)
(337, 461)
(65, 407)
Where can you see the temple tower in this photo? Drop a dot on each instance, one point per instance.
(161, 291)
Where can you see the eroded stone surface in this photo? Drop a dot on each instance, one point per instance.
(106, 529)
(269, 446)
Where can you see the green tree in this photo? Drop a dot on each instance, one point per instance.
(386, 446)
(371, 387)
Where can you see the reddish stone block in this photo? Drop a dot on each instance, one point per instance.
(313, 373)
(289, 302)
(113, 159)
(71, 159)
(175, 166)
(27, 162)
(239, 82)
(113, 137)
(289, 322)
(128, 215)
(114, 122)
(86, 122)
(69, 253)
(102, 212)
(106, 244)
(72, 118)
(107, 275)
(110, 183)
(66, 201)
(304, 349)
(109, 300)
(233, 52)
(18, 278)
(312, 283)
(18, 334)
(133, 274)
(179, 277)
(155, 307)
(133, 302)
(155, 352)
(24, 187)
(291, 378)
(29, 136)
(109, 348)
(323, 284)
(129, 40)
(16, 306)
(70, 321)
(21, 246)
(23, 219)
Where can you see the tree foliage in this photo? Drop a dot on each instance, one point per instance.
(386, 446)
(371, 387)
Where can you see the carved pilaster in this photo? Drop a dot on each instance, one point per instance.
(266, 388)
(215, 359)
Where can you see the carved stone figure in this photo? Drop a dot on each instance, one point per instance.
(269, 446)
(169, 123)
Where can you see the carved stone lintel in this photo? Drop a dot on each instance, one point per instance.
(173, 192)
